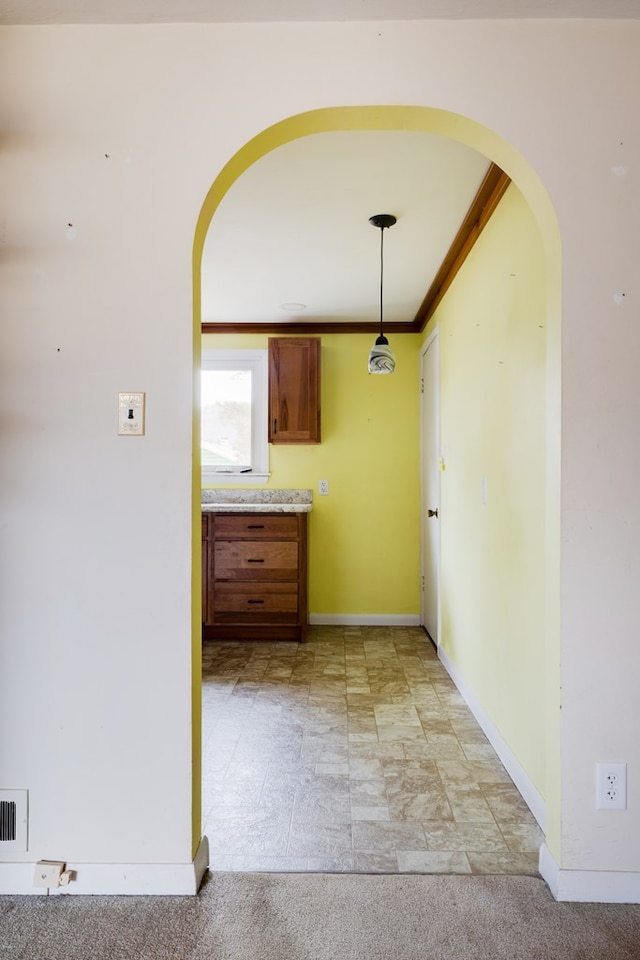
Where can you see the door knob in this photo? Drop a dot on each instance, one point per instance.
(432, 513)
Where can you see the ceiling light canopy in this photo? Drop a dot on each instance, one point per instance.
(381, 358)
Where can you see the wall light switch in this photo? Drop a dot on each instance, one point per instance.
(131, 414)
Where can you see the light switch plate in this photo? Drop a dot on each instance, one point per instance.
(131, 414)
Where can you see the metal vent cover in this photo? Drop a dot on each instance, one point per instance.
(13, 821)
(8, 811)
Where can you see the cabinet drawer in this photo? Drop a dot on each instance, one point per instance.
(256, 560)
(262, 602)
(268, 527)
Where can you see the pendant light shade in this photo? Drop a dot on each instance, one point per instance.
(381, 358)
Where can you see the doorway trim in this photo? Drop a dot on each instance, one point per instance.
(431, 342)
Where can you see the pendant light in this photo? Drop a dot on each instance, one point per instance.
(381, 358)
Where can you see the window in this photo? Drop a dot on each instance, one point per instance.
(233, 439)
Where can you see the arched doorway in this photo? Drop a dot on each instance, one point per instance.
(492, 146)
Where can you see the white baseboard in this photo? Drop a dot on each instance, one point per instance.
(365, 619)
(140, 879)
(530, 794)
(588, 886)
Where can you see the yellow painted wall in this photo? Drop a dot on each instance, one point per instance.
(493, 342)
(364, 549)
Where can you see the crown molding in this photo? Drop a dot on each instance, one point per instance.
(489, 194)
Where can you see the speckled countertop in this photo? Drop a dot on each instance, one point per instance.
(256, 501)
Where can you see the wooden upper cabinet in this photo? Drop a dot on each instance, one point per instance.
(294, 389)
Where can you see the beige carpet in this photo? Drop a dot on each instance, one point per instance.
(324, 917)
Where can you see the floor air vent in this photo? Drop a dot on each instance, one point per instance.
(13, 821)
(8, 811)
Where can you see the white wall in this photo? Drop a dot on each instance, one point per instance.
(95, 531)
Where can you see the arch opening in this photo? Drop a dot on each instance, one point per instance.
(495, 148)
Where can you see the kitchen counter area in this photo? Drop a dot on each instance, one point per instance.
(228, 500)
(254, 564)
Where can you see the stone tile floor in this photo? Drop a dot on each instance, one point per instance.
(353, 752)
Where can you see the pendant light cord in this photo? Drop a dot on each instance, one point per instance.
(382, 229)
(381, 221)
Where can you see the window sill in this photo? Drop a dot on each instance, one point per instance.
(212, 478)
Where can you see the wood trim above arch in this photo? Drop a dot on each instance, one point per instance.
(484, 203)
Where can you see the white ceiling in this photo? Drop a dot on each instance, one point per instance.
(294, 228)
(240, 11)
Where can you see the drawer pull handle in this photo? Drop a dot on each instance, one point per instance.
(255, 526)
(255, 601)
(250, 560)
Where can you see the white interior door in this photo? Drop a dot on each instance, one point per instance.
(430, 486)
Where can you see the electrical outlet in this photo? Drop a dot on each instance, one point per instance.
(323, 488)
(611, 786)
(48, 873)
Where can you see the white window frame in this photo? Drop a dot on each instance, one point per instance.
(256, 361)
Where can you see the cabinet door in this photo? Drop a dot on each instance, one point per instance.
(294, 389)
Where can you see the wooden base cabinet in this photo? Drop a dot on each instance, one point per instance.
(254, 576)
